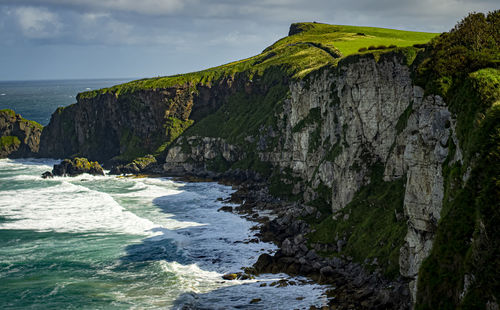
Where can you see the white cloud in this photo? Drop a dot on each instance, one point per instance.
(37, 23)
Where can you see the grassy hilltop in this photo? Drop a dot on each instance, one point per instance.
(313, 46)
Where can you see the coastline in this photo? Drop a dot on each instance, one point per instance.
(351, 286)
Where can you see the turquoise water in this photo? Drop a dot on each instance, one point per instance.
(121, 243)
(124, 243)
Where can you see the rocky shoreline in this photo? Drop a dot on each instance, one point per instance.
(284, 223)
(281, 222)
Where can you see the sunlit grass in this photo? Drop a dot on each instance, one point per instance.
(295, 54)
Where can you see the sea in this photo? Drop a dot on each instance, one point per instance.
(108, 242)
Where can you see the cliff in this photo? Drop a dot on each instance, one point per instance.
(19, 137)
(392, 152)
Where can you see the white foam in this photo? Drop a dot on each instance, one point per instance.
(69, 208)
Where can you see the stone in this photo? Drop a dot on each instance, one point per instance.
(327, 271)
(263, 263)
(255, 300)
(47, 175)
(226, 209)
(19, 137)
(77, 166)
(230, 276)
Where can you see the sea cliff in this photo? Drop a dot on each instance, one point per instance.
(388, 155)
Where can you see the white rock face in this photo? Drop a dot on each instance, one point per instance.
(201, 151)
(340, 122)
(361, 105)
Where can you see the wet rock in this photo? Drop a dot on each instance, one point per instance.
(138, 165)
(47, 174)
(255, 300)
(226, 209)
(263, 263)
(230, 276)
(77, 166)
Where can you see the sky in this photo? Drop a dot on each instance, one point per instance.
(65, 39)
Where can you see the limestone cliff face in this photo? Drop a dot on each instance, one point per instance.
(335, 126)
(19, 137)
(326, 136)
(115, 127)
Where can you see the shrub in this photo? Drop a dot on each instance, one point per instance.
(363, 49)
(381, 47)
(392, 46)
(420, 45)
(372, 47)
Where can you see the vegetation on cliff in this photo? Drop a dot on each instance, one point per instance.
(19, 137)
(371, 227)
(313, 47)
(462, 270)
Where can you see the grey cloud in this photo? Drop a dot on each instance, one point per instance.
(181, 35)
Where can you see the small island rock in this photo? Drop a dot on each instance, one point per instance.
(77, 166)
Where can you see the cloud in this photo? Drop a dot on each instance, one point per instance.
(171, 36)
(37, 23)
(146, 7)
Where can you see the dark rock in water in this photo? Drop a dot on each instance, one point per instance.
(263, 263)
(77, 166)
(255, 300)
(226, 209)
(47, 174)
(230, 276)
(19, 137)
(138, 165)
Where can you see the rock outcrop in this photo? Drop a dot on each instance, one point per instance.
(19, 137)
(76, 166)
(358, 145)
(117, 127)
(335, 127)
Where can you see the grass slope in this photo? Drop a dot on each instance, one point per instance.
(299, 54)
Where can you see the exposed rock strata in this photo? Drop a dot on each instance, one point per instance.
(339, 123)
(114, 127)
(19, 137)
(333, 128)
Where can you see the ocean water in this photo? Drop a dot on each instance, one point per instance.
(127, 243)
(37, 100)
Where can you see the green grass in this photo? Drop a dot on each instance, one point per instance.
(319, 45)
(467, 240)
(30, 123)
(8, 141)
(8, 112)
(371, 227)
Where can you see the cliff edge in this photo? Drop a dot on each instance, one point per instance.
(19, 137)
(389, 141)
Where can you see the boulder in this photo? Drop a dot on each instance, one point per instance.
(230, 276)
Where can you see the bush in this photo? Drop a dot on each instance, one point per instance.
(363, 49)
(381, 47)
(424, 45)
(392, 46)
(372, 47)
(471, 45)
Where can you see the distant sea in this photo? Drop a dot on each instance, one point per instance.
(37, 100)
(122, 243)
